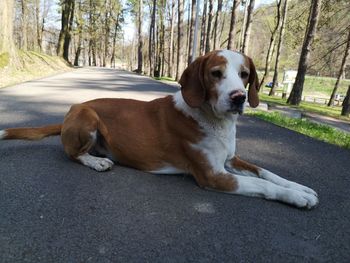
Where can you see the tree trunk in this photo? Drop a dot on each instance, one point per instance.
(139, 34)
(190, 43)
(231, 36)
(297, 91)
(244, 23)
(248, 27)
(151, 47)
(24, 37)
(203, 28)
(66, 27)
(79, 22)
(180, 39)
(171, 44)
(216, 38)
(346, 104)
(271, 48)
(38, 27)
(115, 41)
(341, 71)
(210, 18)
(6, 28)
(279, 48)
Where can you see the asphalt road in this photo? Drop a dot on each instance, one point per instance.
(55, 210)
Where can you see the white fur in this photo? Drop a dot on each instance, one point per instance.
(231, 80)
(250, 186)
(3, 134)
(218, 145)
(96, 163)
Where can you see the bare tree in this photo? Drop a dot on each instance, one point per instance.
(210, 18)
(271, 48)
(216, 29)
(346, 104)
(139, 35)
(180, 39)
(248, 27)
(297, 91)
(6, 28)
(279, 48)
(231, 36)
(203, 28)
(24, 22)
(171, 44)
(151, 41)
(190, 43)
(341, 70)
(67, 7)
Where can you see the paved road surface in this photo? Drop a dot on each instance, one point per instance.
(54, 210)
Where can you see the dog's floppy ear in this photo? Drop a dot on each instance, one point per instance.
(253, 81)
(192, 84)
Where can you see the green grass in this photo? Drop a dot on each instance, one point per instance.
(165, 78)
(318, 131)
(321, 109)
(4, 60)
(315, 85)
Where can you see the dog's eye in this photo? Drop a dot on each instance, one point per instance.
(244, 74)
(216, 73)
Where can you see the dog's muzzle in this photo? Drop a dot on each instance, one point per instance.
(237, 100)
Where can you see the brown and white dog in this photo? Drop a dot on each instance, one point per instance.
(193, 131)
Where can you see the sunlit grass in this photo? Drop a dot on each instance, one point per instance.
(318, 131)
(333, 111)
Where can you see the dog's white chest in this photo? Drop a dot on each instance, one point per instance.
(218, 144)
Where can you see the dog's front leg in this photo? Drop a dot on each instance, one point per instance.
(277, 186)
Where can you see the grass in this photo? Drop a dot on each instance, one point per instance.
(318, 131)
(321, 109)
(4, 59)
(30, 65)
(164, 78)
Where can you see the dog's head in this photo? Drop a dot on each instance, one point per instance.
(219, 79)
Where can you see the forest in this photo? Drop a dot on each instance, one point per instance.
(160, 38)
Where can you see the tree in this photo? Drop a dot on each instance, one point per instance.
(79, 23)
(279, 47)
(190, 43)
(341, 70)
(271, 48)
(216, 38)
(203, 28)
(247, 29)
(67, 7)
(231, 36)
(346, 104)
(6, 30)
(152, 39)
(24, 22)
(139, 36)
(171, 44)
(210, 18)
(297, 91)
(180, 39)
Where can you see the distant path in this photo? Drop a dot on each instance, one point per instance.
(55, 210)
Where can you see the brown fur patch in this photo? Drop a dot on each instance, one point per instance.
(243, 165)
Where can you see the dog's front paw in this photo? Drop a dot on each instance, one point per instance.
(300, 199)
(303, 188)
(102, 164)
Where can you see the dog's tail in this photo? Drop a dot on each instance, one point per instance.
(37, 133)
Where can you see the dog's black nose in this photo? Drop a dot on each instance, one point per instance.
(237, 97)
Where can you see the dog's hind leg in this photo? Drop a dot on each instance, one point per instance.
(79, 136)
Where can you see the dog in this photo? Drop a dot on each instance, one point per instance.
(192, 131)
